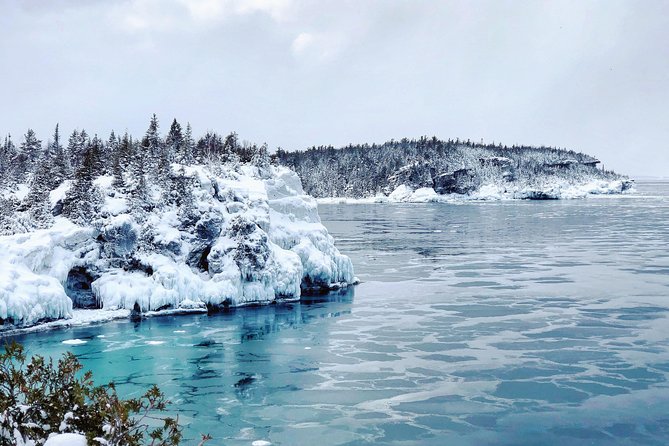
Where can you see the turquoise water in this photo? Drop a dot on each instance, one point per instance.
(513, 323)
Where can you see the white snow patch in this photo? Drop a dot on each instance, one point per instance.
(104, 182)
(74, 342)
(66, 440)
(58, 193)
(21, 191)
(115, 205)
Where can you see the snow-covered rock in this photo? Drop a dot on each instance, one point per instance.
(253, 237)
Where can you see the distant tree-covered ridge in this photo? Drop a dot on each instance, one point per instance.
(448, 167)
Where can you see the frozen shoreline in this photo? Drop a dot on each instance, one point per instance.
(254, 237)
(493, 192)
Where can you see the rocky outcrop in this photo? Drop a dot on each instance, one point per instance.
(250, 237)
(462, 181)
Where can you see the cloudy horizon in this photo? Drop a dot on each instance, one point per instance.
(585, 75)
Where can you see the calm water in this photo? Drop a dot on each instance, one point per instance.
(523, 323)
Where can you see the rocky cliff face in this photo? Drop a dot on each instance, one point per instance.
(249, 236)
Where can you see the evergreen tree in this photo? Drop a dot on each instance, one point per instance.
(61, 169)
(7, 157)
(139, 193)
(80, 200)
(109, 153)
(76, 147)
(121, 158)
(230, 146)
(37, 202)
(189, 145)
(175, 142)
(94, 149)
(180, 194)
(28, 153)
(261, 158)
(152, 145)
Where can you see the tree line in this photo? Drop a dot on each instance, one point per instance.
(362, 170)
(134, 164)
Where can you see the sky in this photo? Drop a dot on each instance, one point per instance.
(592, 76)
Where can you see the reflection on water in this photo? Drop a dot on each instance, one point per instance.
(483, 323)
(219, 370)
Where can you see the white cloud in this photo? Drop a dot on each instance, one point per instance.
(279, 10)
(166, 15)
(302, 42)
(147, 15)
(322, 46)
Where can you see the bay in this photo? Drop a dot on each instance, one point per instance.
(477, 323)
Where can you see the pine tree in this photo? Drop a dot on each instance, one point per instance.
(94, 149)
(61, 169)
(72, 149)
(180, 194)
(230, 146)
(7, 154)
(189, 145)
(175, 142)
(121, 159)
(80, 200)
(37, 202)
(28, 153)
(139, 192)
(109, 153)
(13, 172)
(152, 145)
(261, 159)
(76, 147)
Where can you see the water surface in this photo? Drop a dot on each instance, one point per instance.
(519, 323)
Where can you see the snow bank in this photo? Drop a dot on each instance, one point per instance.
(252, 237)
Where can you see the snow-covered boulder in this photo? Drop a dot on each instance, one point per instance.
(250, 236)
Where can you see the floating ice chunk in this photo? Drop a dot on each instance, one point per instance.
(74, 342)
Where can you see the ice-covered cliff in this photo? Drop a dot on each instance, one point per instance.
(247, 235)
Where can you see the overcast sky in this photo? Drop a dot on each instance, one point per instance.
(587, 75)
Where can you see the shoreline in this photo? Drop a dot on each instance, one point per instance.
(490, 193)
(85, 317)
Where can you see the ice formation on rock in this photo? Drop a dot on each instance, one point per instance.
(253, 237)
